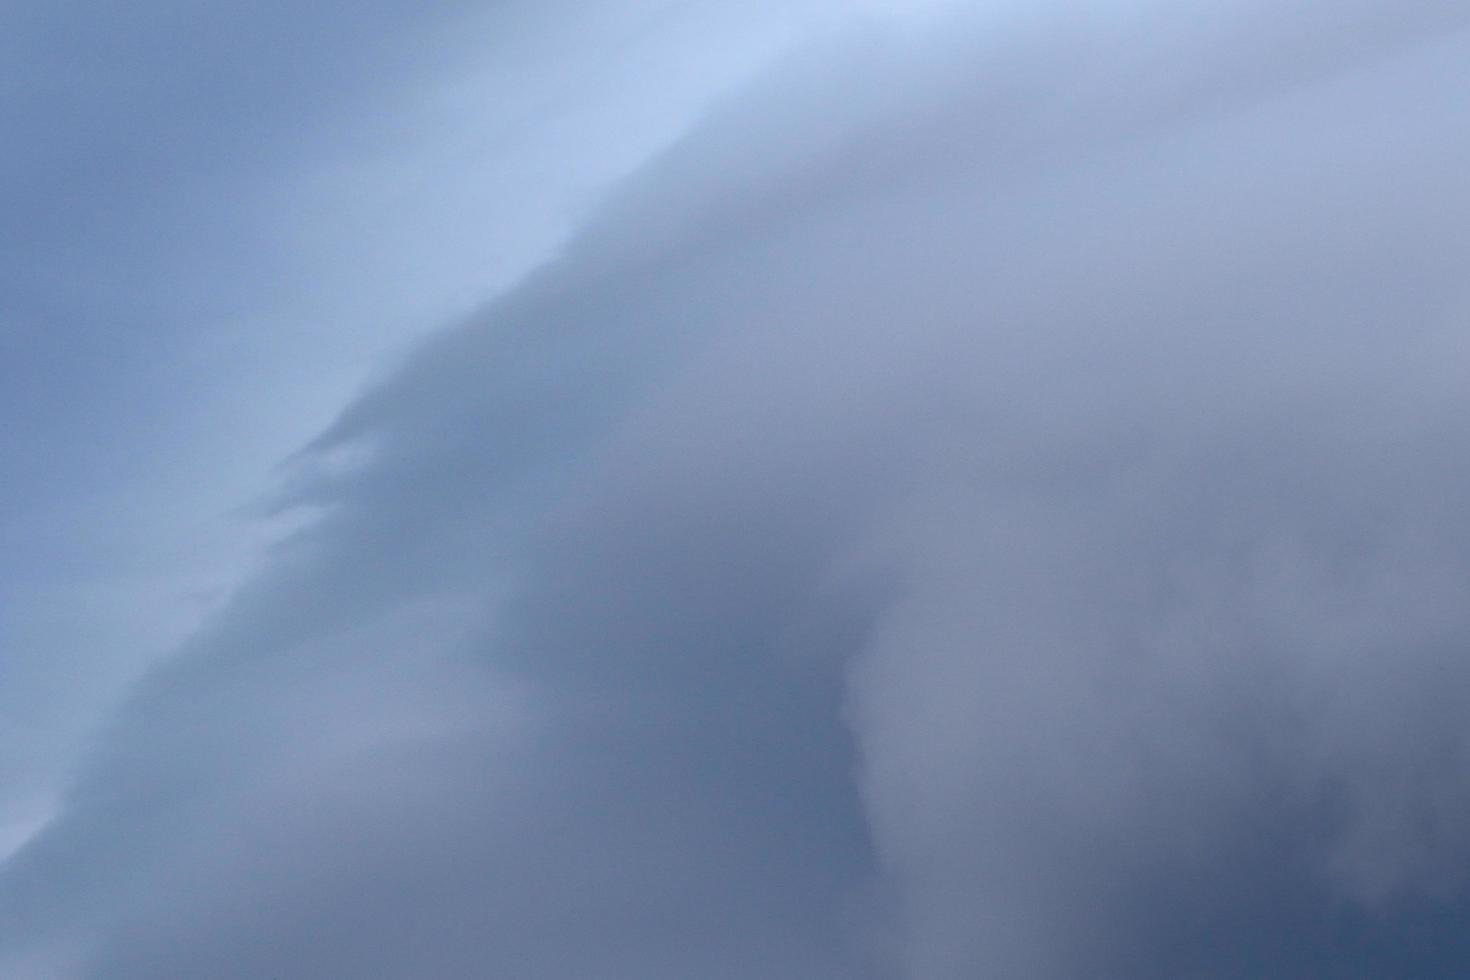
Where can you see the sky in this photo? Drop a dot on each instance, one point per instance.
(833, 489)
(220, 222)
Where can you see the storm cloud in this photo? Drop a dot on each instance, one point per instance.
(987, 501)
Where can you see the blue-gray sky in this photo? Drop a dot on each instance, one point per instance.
(727, 490)
(218, 221)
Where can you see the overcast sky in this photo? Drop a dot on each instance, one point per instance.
(661, 490)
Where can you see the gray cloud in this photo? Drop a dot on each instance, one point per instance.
(203, 204)
(985, 502)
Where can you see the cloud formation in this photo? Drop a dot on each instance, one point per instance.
(205, 204)
(987, 502)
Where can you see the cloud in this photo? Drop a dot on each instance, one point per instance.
(983, 503)
(206, 204)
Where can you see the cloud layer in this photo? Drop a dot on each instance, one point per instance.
(204, 205)
(987, 502)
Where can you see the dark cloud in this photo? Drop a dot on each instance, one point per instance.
(974, 507)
